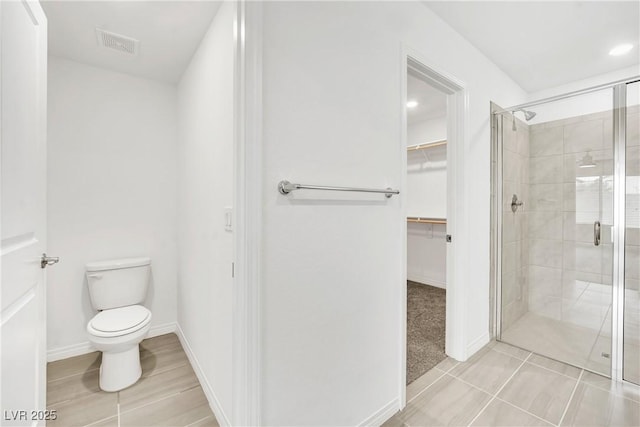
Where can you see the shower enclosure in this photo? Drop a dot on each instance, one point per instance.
(566, 227)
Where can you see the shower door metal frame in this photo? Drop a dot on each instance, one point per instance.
(619, 88)
(619, 229)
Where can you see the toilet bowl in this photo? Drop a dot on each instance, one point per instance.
(117, 289)
(117, 333)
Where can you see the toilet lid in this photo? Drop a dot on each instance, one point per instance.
(120, 319)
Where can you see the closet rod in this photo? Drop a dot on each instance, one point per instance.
(426, 220)
(426, 145)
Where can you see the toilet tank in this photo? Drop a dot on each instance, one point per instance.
(119, 282)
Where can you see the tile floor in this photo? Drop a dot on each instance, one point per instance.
(168, 394)
(507, 386)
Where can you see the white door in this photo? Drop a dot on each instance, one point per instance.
(23, 65)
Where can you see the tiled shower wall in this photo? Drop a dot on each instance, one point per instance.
(515, 226)
(564, 201)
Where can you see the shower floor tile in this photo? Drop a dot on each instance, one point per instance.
(167, 394)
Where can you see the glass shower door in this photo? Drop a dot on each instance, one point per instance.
(557, 218)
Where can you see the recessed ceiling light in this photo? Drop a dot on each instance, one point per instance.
(621, 49)
(412, 104)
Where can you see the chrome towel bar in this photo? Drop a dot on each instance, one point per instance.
(285, 187)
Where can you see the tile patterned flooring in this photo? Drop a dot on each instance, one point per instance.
(168, 394)
(500, 386)
(506, 386)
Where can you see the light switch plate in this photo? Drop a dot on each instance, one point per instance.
(228, 218)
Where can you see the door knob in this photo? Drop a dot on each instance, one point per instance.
(48, 260)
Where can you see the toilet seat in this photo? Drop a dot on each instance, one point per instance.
(119, 321)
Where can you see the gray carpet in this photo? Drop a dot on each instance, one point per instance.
(425, 328)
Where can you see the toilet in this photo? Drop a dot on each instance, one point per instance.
(117, 289)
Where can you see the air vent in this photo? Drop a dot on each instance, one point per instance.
(117, 42)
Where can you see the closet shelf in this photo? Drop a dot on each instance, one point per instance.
(426, 145)
(422, 220)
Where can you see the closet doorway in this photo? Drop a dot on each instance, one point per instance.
(426, 207)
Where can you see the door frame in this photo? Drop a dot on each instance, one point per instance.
(247, 215)
(457, 218)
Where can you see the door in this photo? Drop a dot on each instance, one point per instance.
(557, 222)
(23, 212)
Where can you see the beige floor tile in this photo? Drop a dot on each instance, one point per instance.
(629, 391)
(554, 365)
(447, 402)
(109, 422)
(73, 365)
(511, 350)
(552, 338)
(631, 369)
(73, 387)
(161, 342)
(499, 413)
(85, 410)
(539, 391)
(206, 422)
(592, 406)
(395, 421)
(488, 372)
(179, 410)
(161, 355)
(447, 364)
(155, 387)
(423, 382)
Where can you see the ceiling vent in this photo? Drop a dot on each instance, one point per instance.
(117, 42)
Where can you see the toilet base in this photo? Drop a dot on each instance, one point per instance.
(120, 370)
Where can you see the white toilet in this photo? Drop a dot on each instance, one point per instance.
(117, 288)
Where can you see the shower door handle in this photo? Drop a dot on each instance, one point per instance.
(596, 233)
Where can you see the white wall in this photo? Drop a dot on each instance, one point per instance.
(426, 196)
(205, 172)
(427, 170)
(111, 190)
(427, 130)
(332, 263)
(581, 105)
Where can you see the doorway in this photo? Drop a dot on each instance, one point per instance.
(426, 198)
(433, 231)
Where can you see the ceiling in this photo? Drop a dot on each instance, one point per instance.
(432, 103)
(169, 33)
(546, 44)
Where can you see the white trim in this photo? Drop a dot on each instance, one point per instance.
(478, 343)
(246, 377)
(67, 351)
(402, 217)
(383, 414)
(85, 347)
(457, 218)
(214, 403)
(424, 280)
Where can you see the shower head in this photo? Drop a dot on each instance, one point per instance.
(528, 115)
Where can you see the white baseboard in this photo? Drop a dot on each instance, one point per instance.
(477, 344)
(69, 351)
(383, 414)
(426, 280)
(86, 347)
(214, 403)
